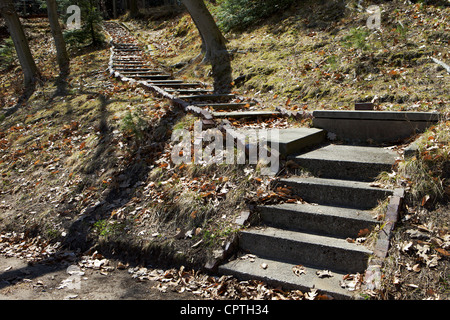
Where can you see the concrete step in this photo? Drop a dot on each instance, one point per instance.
(126, 45)
(189, 91)
(153, 77)
(167, 83)
(143, 72)
(121, 61)
(374, 126)
(347, 162)
(290, 140)
(294, 140)
(346, 193)
(306, 249)
(327, 220)
(129, 61)
(209, 97)
(281, 274)
(245, 114)
(132, 68)
(177, 84)
(223, 106)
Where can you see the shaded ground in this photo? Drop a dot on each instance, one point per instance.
(40, 281)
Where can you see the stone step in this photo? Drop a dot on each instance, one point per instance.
(129, 62)
(128, 58)
(246, 114)
(177, 84)
(291, 140)
(132, 68)
(210, 97)
(223, 106)
(347, 162)
(167, 83)
(305, 248)
(140, 71)
(327, 220)
(346, 193)
(127, 45)
(153, 77)
(294, 140)
(373, 126)
(281, 274)
(188, 91)
(127, 48)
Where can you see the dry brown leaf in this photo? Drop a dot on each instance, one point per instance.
(299, 270)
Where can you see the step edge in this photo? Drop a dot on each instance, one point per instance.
(330, 182)
(335, 241)
(288, 282)
(365, 215)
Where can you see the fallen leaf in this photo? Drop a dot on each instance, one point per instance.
(363, 232)
(425, 200)
(416, 268)
(324, 274)
(299, 270)
(311, 295)
(405, 246)
(443, 252)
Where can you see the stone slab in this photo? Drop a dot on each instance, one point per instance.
(245, 114)
(278, 273)
(327, 220)
(373, 126)
(294, 140)
(305, 248)
(223, 106)
(377, 115)
(347, 162)
(289, 140)
(334, 192)
(207, 97)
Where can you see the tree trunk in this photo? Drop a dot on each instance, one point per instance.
(30, 71)
(114, 9)
(133, 8)
(214, 44)
(61, 52)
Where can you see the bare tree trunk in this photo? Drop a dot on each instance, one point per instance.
(29, 68)
(61, 52)
(114, 9)
(133, 8)
(214, 44)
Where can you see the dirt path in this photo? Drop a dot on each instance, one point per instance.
(62, 281)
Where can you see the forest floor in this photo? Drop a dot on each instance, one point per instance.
(85, 164)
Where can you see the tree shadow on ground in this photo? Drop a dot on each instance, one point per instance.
(81, 237)
(122, 187)
(24, 97)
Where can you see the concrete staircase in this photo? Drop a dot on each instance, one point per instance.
(313, 236)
